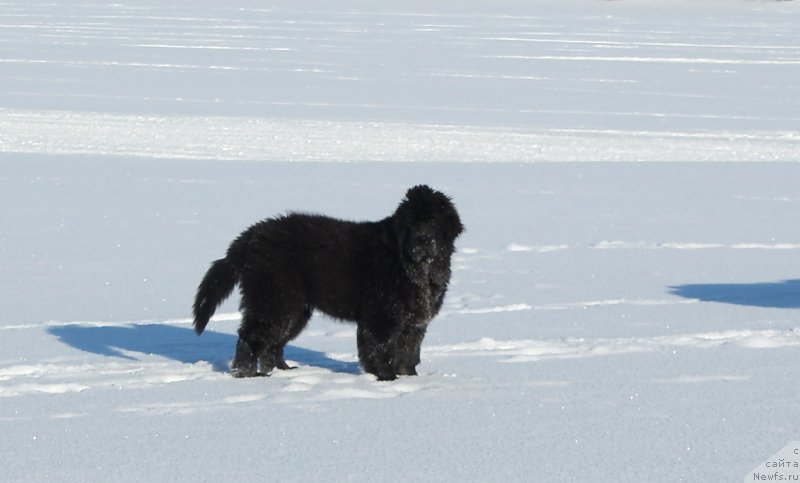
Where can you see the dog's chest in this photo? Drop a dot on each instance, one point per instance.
(426, 302)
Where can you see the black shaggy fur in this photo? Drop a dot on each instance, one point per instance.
(388, 276)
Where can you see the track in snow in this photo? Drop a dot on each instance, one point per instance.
(401, 83)
(126, 356)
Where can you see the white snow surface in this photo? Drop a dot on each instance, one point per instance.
(606, 321)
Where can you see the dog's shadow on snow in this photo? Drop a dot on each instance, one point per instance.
(179, 344)
(780, 295)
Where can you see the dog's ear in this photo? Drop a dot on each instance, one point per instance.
(446, 215)
(451, 225)
(394, 234)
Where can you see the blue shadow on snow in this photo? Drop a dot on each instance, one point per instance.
(780, 295)
(179, 344)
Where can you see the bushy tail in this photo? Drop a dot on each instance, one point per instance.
(217, 284)
(219, 281)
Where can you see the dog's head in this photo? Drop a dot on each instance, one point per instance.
(426, 224)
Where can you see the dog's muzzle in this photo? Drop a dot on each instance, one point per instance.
(421, 249)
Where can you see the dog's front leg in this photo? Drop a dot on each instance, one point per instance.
(408, 346)
(376, 352)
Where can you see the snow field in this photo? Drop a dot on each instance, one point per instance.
(606, 321)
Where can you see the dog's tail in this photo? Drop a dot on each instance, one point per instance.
(218, 283)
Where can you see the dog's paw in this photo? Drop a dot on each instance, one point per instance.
(241, 372)
(386, 375)
(406, 371)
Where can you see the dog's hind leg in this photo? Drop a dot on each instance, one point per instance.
(280, 333)
(247, 349)
(274, 358)
(253, 336)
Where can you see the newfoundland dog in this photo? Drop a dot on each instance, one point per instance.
(388, 276)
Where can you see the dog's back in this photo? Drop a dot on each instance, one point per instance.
(327, 260)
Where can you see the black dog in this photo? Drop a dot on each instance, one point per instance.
(388, 276)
